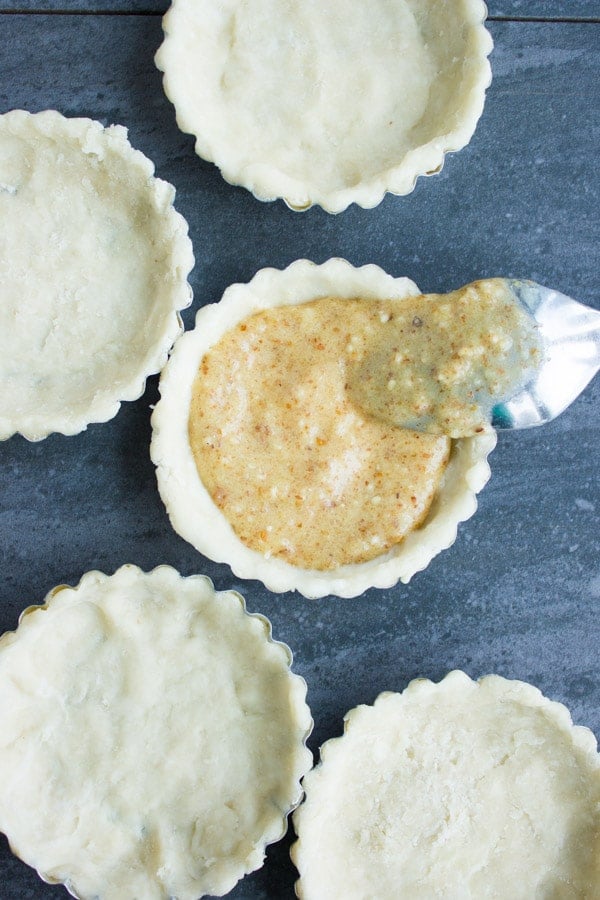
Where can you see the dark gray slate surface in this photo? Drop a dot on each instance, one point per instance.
(545, 9)
(519, 592)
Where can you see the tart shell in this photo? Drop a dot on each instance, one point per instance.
(458, 789)
(153, 737)
(311, 104)
(94, 272)
(192, 511)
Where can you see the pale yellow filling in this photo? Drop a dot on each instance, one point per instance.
(296, 468)
(439, 362)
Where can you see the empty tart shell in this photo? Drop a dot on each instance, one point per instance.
(319, 105)
(94, 271)
(458, 789)
(153, 737)
(197, 513)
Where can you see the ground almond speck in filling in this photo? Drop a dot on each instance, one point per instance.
(297, 469)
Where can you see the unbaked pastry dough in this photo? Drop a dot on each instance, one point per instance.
(326, 103)
(152, 737)
(460, 790)
(192, 511)
(94, 262)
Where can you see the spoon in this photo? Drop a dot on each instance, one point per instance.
(502, 352)
(570, 334)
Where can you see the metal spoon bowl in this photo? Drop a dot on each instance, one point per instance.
(570, 334)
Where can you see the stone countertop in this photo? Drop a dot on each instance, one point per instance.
(518, 593)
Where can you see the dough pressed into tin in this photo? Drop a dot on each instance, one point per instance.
(326, 103)
(152, 737)
(461, 789)
(94, 266)
(307, 492)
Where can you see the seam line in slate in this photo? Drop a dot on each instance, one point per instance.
(564, 20)
(82, 12)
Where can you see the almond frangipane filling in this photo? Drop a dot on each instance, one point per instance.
(297, 469)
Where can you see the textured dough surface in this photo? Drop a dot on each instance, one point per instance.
(94, 261)
(322, 102)
(193, 512)
(455, 790)
(151, 737)
(294, 465)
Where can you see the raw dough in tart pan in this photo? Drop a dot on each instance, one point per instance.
(94, 266)
(192, 510)
(152, 737)
(461, 789)
(329, 103)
